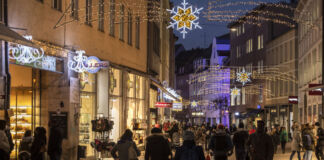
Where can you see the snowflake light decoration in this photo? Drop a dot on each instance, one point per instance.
(235, 91)
(184, 18)
(243, 77)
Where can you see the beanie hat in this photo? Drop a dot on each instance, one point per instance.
(188, 135)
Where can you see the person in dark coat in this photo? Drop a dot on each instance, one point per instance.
(189, 150)
(157, 146)
(239, 140)
(38, 147)
(126, 147)
(260, 144)
(4, 144)
(55, 141)
(221, 144)
(320, 141)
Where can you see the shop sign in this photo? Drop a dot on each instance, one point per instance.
(45, 63)
(177, 106)
(163, 105)
(81, 63)
(293, 99)
(315, 92)
(94, 64)
(172, 92)
(197, 113)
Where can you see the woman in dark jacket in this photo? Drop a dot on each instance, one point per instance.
(126, 147)
(189, 148)
(38, 147)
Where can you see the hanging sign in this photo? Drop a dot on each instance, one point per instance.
(94, 64)
(293, 99)
(163, 105)
(81, 63)
(315, 92)
(177, 106)
(197, 113)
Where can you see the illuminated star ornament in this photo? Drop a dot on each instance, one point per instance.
(184, 18)
(243, 77)
(194, 104)
(235, 91)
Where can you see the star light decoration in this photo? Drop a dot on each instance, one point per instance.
(184, 18)
(235, 92)
(194, 104)
(243, 77)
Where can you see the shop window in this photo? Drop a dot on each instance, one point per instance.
(130, 80)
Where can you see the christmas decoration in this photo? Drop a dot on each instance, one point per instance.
(243, 77)
(184, 18)
(79, 62)
(235, 91)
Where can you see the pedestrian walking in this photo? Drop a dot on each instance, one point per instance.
(126, 147)
(4, 143)
(239, 140)
(275, 139)
(283, 139)
(25, 146)
(260, 144)
(38, 147)
(55, 141)
(175, 137)
(221, 144)
(296, 144)
(189, 150)
(320, 142)
(308, 142)
(157, 146)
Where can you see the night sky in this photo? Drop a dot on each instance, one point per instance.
(203, 37)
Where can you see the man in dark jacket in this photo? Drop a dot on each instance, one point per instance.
(157, 146)
(55, 141)
(221, 144)
(260, 144)
(239, 141)
(189, 150)
(320, 142)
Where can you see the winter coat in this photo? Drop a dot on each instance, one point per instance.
(157, 148)
(189, 145)
(320, 135)
(220, 144)
(283, 136)
(312, 146)
(239, 139)
(296, 141)
(25, 144)
(276, 138)
(176, 139)
(38, 148)
(122, 148)
(55, 141)
(260, 146)
(4, 145)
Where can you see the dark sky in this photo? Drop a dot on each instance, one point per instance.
(203, 37)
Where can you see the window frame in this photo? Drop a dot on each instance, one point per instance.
(112, 9)
(121, 22)
(129, 28)
(88, 12)
(101, 12)
(138, 29)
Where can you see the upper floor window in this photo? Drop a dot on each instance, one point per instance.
(101, 15)
(75, 9)
(129, 28)
(137, 28)
(88, 11)
(260, 41)
(1, 11)
(249, 46)
(56, 4)
(112, 18)
(41, 1)
(121, 22)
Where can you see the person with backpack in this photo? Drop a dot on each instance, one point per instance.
(260, 144)
(221, 144)
(25, 146)
(296, 143)
(189, 150)
(239, 140)
(283, 139)
(4, 143)
(126, 147)
(308, 142)
(157, 146)
(320, 142)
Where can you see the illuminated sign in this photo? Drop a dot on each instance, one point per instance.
(197, 113)
(293, 99)
(177, 106)
(24, 54)
(94, 64)
(81, 63)
(315, 92)
(163, 105)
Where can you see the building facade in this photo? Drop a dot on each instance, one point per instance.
(310, 58)
(282, 80)
(92, 64)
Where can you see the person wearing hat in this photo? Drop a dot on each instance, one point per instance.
(260, 144)
(189, 150)
(157, 146)
(221, 144)
(320, 141)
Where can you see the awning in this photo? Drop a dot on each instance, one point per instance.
(160, 86)
(9, 35)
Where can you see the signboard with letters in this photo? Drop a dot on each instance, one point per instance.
(163, 105)
(293, 99)
(315, 92)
